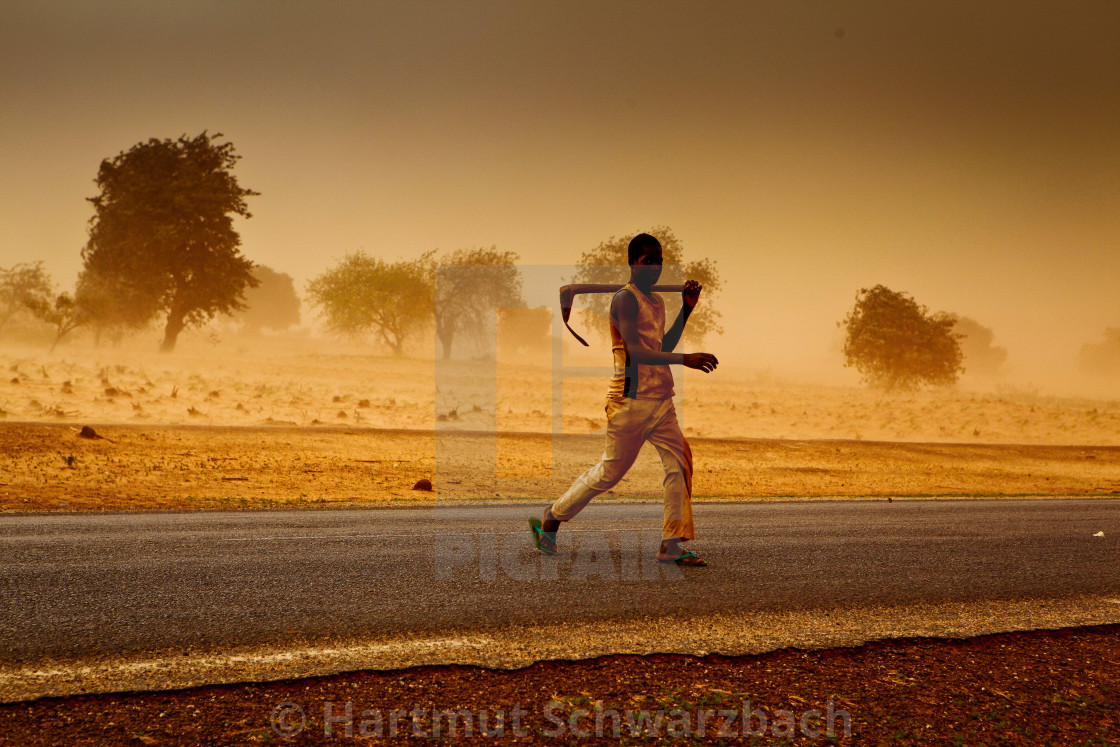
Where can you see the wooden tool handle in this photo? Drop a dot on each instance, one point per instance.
(569, 292)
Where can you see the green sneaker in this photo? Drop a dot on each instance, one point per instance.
(544, 541)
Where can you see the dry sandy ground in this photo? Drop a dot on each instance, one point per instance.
(231, 386)
(51, 467)
(221, 427)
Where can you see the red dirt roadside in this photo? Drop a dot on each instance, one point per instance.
(1027, 688)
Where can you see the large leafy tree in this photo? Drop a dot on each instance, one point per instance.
(607, 263)
(468, 285)
(897, 344)
(162, 232)
(272, 304)
(366, 295)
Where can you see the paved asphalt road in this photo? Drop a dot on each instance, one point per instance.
(79, 586)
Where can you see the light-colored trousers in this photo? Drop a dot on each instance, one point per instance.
(630, 423)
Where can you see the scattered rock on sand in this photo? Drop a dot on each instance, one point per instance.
(87, 432)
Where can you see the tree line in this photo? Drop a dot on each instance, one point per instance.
(452, 293)
(162, 244)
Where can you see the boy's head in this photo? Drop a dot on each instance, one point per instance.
(644, 256)
(639, 245)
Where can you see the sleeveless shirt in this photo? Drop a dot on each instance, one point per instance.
(639, 380)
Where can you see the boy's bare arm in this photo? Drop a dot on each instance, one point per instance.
(690, 294)
(624, 309)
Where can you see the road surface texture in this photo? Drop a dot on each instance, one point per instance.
(108, 602)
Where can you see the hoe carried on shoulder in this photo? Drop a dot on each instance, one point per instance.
(568, 294)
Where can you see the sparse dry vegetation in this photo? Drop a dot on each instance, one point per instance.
(268, 428)
(275, 386)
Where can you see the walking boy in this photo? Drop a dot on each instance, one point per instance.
(640, 406)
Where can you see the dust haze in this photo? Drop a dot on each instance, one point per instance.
(963, 154)
(301, 379)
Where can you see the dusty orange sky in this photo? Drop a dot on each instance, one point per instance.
(966, 153)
